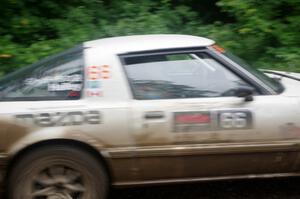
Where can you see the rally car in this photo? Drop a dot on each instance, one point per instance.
(143, 110)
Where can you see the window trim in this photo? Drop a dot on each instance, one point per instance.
(77, 49)
(234, 69)
(266, 90)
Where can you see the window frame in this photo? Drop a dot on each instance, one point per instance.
(261, 90)
(77, 49)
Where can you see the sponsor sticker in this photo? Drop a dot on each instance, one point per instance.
(192, 121)
(93, 84)
(93, 72)
(99, 72)
(54, 79)
(61, 118)
(216, 120)
(95, 93)
(64, 87)
(105, 72)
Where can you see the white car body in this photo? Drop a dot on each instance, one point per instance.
(136, 137)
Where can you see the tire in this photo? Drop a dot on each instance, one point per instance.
(58, 172)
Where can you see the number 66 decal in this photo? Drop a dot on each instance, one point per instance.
(235, 119)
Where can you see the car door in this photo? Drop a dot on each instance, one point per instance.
(189, 123)
(45, 94)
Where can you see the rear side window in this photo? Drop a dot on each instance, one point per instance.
(180, 75)
(58, 78)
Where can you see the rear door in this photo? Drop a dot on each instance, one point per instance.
(188, 123)
(45, 94)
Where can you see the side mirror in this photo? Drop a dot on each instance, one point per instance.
(245, 92)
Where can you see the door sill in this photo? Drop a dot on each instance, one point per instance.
(204, 179)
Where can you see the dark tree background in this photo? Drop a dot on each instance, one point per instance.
(266, 33)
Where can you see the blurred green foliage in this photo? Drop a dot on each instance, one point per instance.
(266, 33)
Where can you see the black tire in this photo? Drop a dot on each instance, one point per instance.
(61, 171)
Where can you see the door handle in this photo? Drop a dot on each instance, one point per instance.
(154, 115)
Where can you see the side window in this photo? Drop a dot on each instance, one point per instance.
(186, 75)
(60, 78)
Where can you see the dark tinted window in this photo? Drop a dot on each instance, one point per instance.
(186, 75)
(60, 78)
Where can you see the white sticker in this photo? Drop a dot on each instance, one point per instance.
(64, 87)
(53, 79)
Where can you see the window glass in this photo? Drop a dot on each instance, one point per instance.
(60, 78)
(275, 85)
(186, 75)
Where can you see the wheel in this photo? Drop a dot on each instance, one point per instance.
(58, 172)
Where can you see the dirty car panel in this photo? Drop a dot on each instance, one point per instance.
(157, 109)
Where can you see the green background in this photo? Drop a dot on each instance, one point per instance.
(265, 33)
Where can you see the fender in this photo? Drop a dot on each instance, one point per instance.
(14, 137)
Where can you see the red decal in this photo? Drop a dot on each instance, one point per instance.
(93, 72)
(74, 94)
(93, 76)
(192, 119)
(105, 72)
(97, 72)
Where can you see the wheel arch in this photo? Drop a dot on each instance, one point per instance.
(66, 142)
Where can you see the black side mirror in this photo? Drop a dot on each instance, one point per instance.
(245, 92)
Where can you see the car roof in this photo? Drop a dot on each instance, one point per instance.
(126, 44)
